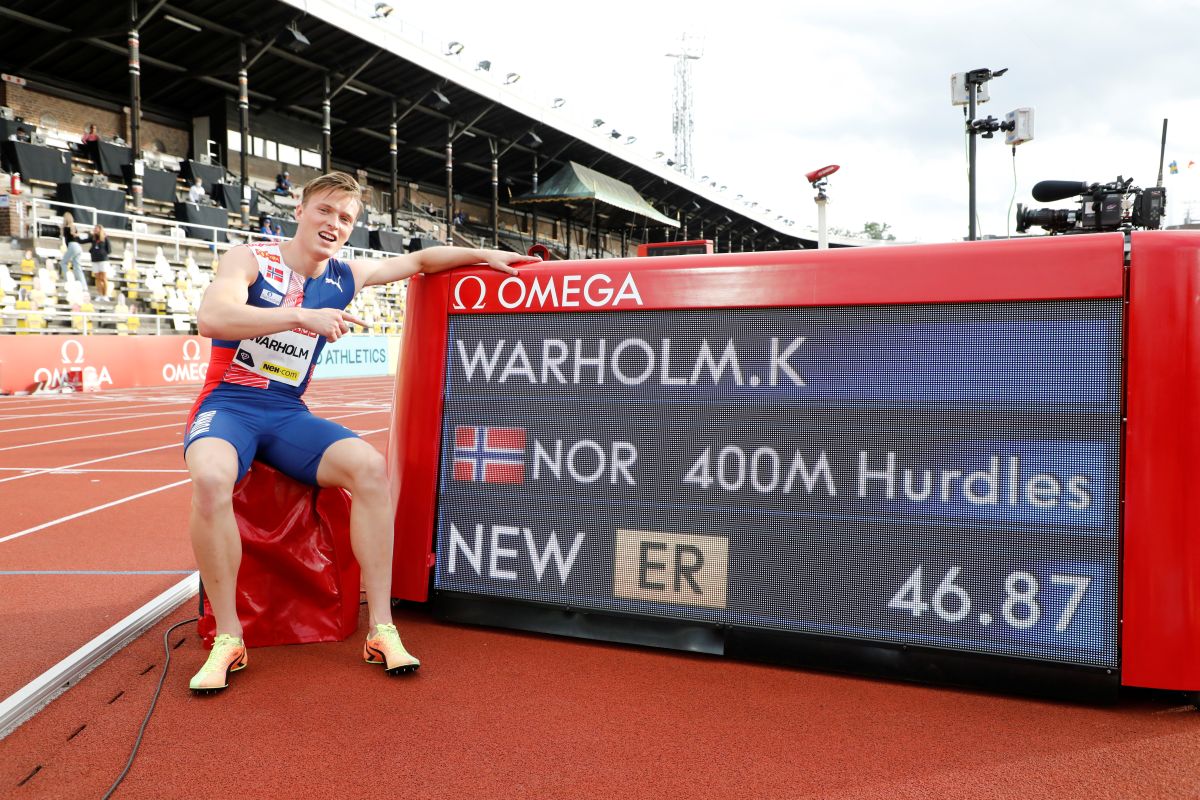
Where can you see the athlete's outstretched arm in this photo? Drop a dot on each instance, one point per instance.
(435, 259)
(223, 312)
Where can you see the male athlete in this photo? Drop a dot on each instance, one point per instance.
(269, 311)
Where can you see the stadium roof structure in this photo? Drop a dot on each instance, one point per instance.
(576, 183)
(191, 51)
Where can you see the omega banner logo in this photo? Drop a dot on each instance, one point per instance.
(678, 568)
(73, 358)
(191, 369)
(473, 293)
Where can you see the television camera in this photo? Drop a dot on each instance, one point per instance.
(1102, 207)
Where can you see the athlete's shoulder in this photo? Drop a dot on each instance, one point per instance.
(238, 261)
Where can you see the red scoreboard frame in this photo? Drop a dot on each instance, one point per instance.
(1157, 273)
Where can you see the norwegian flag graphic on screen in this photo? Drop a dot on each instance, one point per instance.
(489, 455)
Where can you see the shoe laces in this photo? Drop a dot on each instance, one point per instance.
(226, 641)
(385, 631)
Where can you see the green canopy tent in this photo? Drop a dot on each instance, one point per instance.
(576, 191)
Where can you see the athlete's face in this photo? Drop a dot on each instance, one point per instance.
(325, 221)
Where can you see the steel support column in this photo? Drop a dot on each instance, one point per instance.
(135, 107)
(393, 151)
(244, 128)
(450, 184)
(326, 130)
(495, 195)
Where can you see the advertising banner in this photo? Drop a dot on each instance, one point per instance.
(354, 356)
(101, 362)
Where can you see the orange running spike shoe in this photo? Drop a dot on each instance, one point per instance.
(384, 647)
(228, 655)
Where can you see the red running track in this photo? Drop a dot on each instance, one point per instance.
(491, 713)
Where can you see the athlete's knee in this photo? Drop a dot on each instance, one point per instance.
(367, 472)
(212, 487)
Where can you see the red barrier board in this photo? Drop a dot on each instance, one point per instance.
(104, 362)
(1102, 469)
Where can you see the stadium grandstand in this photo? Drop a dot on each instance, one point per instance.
(233, 95)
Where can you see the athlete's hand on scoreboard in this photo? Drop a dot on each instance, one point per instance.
(503, 261)
(332, 323)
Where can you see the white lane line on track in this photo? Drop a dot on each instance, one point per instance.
(92, 421)
(90, 461)
(69, 471)
(91, 436)
(91, 510)
(89, 414)
(96, 571)
(88, 407)
(29, 699)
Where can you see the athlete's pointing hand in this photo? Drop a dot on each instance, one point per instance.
(332, 323)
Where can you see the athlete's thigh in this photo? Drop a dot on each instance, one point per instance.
(217, 419)
(344, 462)
(298, 441)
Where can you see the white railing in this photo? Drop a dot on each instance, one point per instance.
(86, 322)
(35, 222)
(94, 322)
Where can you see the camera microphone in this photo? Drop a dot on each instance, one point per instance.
(1049, 191)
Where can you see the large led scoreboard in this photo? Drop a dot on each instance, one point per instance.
(966, 462)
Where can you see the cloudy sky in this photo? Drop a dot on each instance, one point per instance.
(781, 89)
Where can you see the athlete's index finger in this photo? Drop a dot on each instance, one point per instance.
(346, 315)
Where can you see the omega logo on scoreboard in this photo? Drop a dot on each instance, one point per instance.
(677, 568)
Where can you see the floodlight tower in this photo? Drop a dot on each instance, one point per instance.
(691, 49)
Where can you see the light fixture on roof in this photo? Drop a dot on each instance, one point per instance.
(484, 65)
(454, 48)
(511, 78)
(658, 153)
(294, 40)
(558, 102)
(597, 122)
(382, 11)
(182, 23)
(534, 139)
(614, 133)
(440, 101)
(670, 162)
(722, 188)
(630, 139)
(703, 178)
(739, 197)
(352, 88)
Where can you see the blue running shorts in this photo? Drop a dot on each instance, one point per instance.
(283, 434)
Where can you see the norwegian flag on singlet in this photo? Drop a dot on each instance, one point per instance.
(489, 455)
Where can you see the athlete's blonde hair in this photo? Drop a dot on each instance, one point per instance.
(338, 182)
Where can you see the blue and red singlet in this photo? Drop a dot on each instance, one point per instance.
(252, 391)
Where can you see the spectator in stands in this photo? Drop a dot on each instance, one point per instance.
(196, 193)
(264, 226)
(74, 250)
(91, 135)
(283, 184)
(277, 229)
(270, 311)
(21, 135)
(101, 250)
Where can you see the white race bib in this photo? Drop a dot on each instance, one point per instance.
(285, 357)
